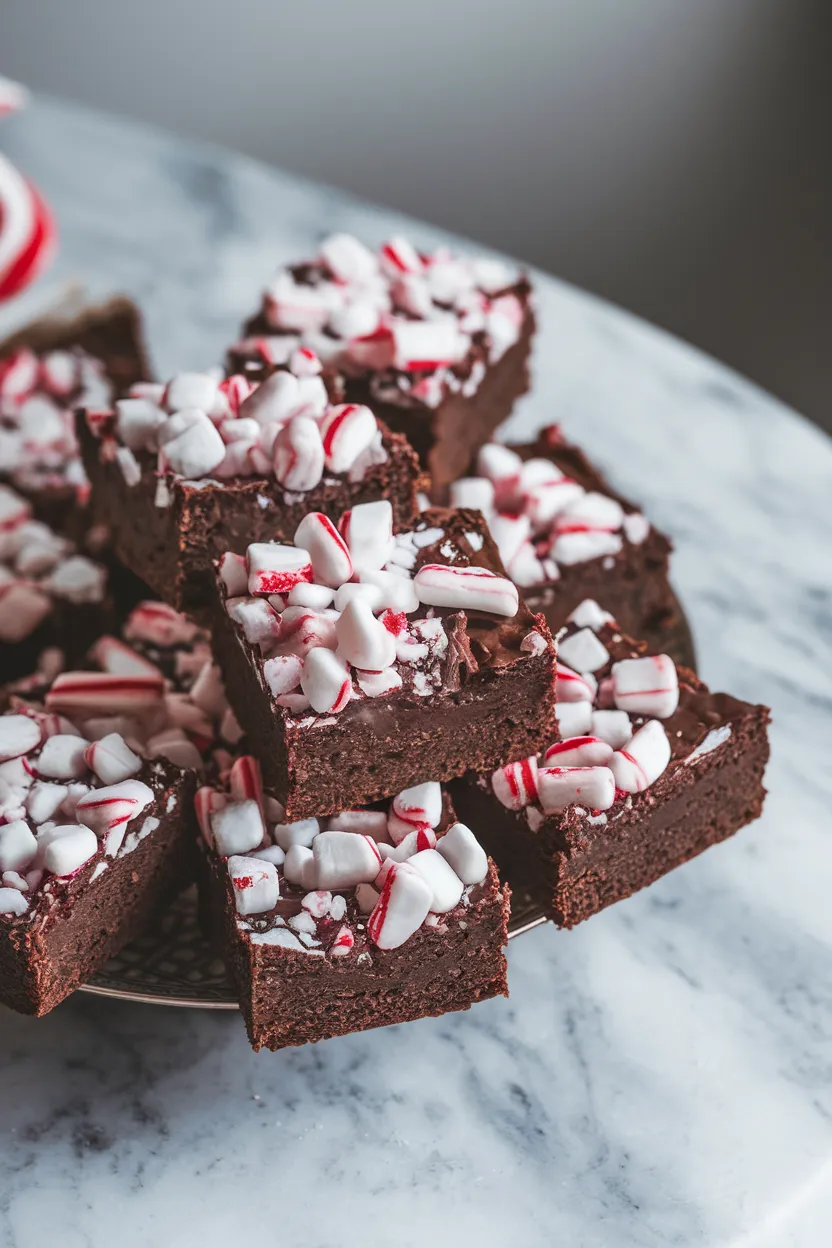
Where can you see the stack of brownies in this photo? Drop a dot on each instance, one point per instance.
(299, 629)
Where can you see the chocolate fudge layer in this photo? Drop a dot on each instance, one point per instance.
(370, 918)
(94, 842)
(639, 792)
(565, 535)
(437, 344)
(184, 472)
(359, 662)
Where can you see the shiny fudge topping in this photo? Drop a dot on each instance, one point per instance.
(625, 718)
(70, 806)
(37, 569)
(351, 612)
(38, 398)
(361, 881)
(201, 428)
(423, 324)
(541, 518)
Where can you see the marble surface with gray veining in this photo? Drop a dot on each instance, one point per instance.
(660, 1076)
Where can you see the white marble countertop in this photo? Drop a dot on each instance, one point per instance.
(661, 1075)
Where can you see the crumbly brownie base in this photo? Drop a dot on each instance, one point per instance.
(290, 998)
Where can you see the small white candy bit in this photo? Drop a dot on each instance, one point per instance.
(368, 531)
(392, 592)
(138, 421)
(560, 787)
(299, 866)
(18, 735)
(583, 651)
(12, 902)
(516, 784)
(534, 643)
(578, 752)
(325, 680)
(343, 942)
(190, 445)
(366, 896)
(420, 804)
(69, 849)
(299, 454)
(233, 574)
(344, 859)
(715, 738)
(275, 569)
(572, 687)
(317, 903)
(363, 641)
(614, 727)
(22, 608)
(44, 799)
(301, 832)
(420, 346)
(245, 781)
(331, 563)
(574, 718)
(191, 390)
(499, 464)
(466, 589)
(403, 905)
(377, 684)
(282, 674)
(308, 594)
(302, 629)
(206, 801)
(465, 854)
(474, 492)
(346, 430)
(237, 828)
(63, 757)
(445, 885)
(117, 659)
(643, 760)
(510, 533)
(255, 883)
(108, 808)
(18, 846)
(636, 528)
(366, 822)
(98, 691)
(646, 686)
(588, 614)
(258, 620)
(348, 259)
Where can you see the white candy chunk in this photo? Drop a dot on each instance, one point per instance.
(301, 832)
(44, 799)
(348, 259)
(445, 885)
(365, 593)
(22, 608)
(572, 686)
(275, 400)
(510, 533)
(583, 545)
(275, 569)
(347, 431)
(473, 492)
(614, 727)
(257, 619)
(325, 680)
(233, 575)
(138, 422)
(366, 822)
(643, 760)
(402, 907)
(198, 390)
(646, 686)
(466, 589)
(393, 592)
(574, 718)
(302, 629)
(78, 580)
(272, 853)
(516, 784)
(191, 445)
(106, 808)
(588, 614)
(70, 847)
(424, 345)
(318, 903)
(255, 883)
(282, 674)
(363, 641)
(377, 684)
(331, 563)
(583, 651)
(715, 738)
(18, 735)
(465, 854)
(534, 643)
(12, 901)
(62, 757)
(525, 567)
(112, 760)
(299, 866)
(420, 804)
(560, 787)
(636, 528)
(207, 691)
(299, 454)
(308, 594)
(368, 531)
(595, 511)
(237, 828)
(366, 896)
(578, 752)
(17, 846)
(498, 463)
(344, 859)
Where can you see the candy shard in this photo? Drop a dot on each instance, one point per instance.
(466, 589)
(402, 907)
(646, 686)
(642, 761)
(465, 854)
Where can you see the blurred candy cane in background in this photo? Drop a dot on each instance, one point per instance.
(27, 230)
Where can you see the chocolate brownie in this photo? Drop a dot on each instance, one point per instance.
(372, 917)
(184, 472)
(437, 344)
(94, 841)
(47, 369)
(651, 768)
(359, 662)
(565, 535)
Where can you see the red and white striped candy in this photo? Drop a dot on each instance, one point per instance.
(235, 389)
(466, 589)
(422, 803)
(348, 259)
(112, 760)
(368, 531)
(22, 608)
(331, 562)
(400, 256)
(303, 362)
(560, 787)
(583, 651)
(578, 752)
(343, 942)
(274, 569)
(70, 848)
(237, 827)
(525, 568)
(206, 801)
(372, 350)
(98, 691)
(377, 684)
(27, 232)
(421, 346)
(19, 372)
(643, 760)
(63, 757)
(398, 830)
(325, 680)
(403, 905)
(572, 687)
(299, 454)
(159, 624)
(546, 500)
(117, 659)
(245, 781)
(614, 727)
(302, 630)
(500, 465)
(257, 619)
(646, 686)
(293, 307)
(255, 884)
(282, 674)
(110, 807)
(191, 445)
(516, 784)
(475, 492)
(363, 641)
(344, 859)
(465, 854)
(347, 430)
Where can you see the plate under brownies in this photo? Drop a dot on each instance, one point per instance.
(424, 660)
(329, 927)
(687, 773)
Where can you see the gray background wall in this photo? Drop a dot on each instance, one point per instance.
(672, 155)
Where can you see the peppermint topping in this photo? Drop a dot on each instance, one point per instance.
(27, 231)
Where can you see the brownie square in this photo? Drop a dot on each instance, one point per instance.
(250, 464)
(437, 344)
(565, 535)
(94, 842)
(317, 945)
(624, 796)
(427, 661)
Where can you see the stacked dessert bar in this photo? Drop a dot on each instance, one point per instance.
(344, 711)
